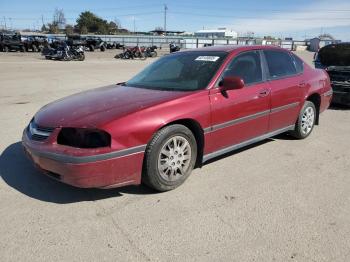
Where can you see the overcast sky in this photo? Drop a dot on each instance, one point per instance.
(297, 18)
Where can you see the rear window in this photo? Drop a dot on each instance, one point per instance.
(280, 64)
(298, 63)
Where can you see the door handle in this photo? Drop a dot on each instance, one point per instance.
(264, 92)
(302, 84)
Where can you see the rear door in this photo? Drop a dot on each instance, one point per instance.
(286, 85)
(242, 114)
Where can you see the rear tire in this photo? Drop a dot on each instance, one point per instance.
(143, 55)
(169, 158)
(306, 121)
(81, 57)
(92, 48)
(102, 48)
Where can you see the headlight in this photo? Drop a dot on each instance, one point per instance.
(83, 137)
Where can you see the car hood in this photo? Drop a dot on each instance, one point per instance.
(335, 55)
(99, 106)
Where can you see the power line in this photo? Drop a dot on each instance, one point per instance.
(89, 9)
(73, 18)
(195, 7)
(257, 18)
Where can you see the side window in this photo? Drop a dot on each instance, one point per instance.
(246, 66)
(299, 64)
(280, 63)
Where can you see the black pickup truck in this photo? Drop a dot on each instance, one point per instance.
(90, 42)
(11, 42)
(35, 43)
(335, 59)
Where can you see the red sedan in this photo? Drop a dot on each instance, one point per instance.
(179, 112)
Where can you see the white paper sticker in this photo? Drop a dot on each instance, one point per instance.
(207, 58)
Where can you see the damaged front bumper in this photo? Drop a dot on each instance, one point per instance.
(341, 93)
(87, 170)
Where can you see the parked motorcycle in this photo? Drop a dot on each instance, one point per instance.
(65, 53)
(132, 52)
(151, 51)
(126, 54)
(139, 52)
(174, 47)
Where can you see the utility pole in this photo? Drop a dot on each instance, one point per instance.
(42, 20)
(165, 9)
(134, 24)
(5, 22)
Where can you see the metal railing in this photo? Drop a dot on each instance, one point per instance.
(188, 42)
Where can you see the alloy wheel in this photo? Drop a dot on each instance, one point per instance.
(174, 158)
(307, 120)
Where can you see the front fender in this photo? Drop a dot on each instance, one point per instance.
(139, 127)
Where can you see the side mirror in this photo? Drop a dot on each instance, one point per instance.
(231, 83)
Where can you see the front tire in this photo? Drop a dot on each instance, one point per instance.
(306, 121)
(169, 158)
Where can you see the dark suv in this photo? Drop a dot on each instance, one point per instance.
(35, 43)
(11, 41)
(335, 59)
(90, 42)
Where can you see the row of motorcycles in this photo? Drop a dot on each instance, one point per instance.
(143, 52)
(64, 52)
(137, 52)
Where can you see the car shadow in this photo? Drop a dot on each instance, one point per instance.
(19, 173)
(238, 151)
(283, 136)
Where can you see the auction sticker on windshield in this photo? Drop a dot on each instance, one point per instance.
(207, 58)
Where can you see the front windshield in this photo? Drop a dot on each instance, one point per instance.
(184, 71)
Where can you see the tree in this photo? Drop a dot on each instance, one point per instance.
(326, 36)
(44, 28)
(59, 18)
(112, 27)
(69, 29)
(92, 23)
(53, 28)
(83, 30)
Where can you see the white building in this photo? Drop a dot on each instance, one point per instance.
(217, 33)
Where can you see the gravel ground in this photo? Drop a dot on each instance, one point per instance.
(279, 200)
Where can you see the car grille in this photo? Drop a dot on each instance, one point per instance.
(38, 133)
(340, 80)
(340, 76)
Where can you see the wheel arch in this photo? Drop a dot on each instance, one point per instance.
(198, 133)
(315, 98)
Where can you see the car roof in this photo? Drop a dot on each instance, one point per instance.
(231, 48)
